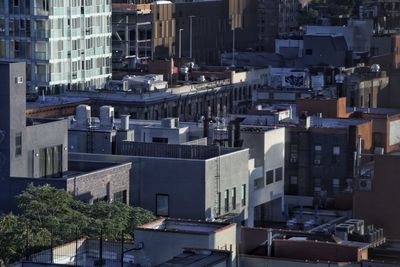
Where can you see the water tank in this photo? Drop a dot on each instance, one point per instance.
(125, 122)
(106, 117)
(83, 114)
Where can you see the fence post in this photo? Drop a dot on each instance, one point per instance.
(76, 246)
(27, 243)
(51, 245)
(122, 250)
(101, 247)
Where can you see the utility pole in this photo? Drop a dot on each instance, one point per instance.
(191, 36)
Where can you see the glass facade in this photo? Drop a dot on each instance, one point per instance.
(67, 44)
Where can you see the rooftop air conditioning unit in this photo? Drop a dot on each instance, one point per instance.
(365, 185)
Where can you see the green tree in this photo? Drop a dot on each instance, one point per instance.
(50, 215)
(12, 241)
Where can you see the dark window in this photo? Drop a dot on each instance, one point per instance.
(18, 144)
(269, 176)
(293, 153)
(278, 174)
(234, 198)
(226, 200)
(50, 161)
(308, 51)
(244, 195)
(317, 154)
(160, 140)
(121, 196)
(218, 206)
(162, 205)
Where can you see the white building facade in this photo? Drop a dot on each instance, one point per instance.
(66, 44)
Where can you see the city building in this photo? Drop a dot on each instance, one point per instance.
(375, 195)
(165, 238)
(206, 93)
(53, 106)
(142, 32)
(347, 244)
(275, 18)
(185, 181)
(320, 154)
(67, 45)
(35, 151)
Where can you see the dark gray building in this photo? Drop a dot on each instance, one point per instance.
(36, 151)
(325, 50)
(320, 155)
(186, 181)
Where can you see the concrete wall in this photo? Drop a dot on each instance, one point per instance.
(226, 173)
(268, 150)
(44, 135)
(161, 246)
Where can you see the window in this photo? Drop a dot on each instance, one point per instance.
(50, 162)
(258, 183)
(293, 180)
(18, 144)
(243, 195)
(226, 200)
(335, 154)
(317, 185)
(162, 205)
(218, 203)
(278, 174)
(293, 153)
(336, 150)
(269, 176)
(309, 52)
(335, 185)
(234, 198)
(120, 196)
(317, 154)
(160, 140)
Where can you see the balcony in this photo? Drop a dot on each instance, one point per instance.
(41, 56)
(38, 11)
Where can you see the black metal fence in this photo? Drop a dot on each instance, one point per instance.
(74, 247)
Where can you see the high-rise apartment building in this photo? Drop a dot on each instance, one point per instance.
(66, 44)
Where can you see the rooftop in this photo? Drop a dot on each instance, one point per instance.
(186, 152)
(198, 257)
(49, 101)
(185, 226)
(377, 111)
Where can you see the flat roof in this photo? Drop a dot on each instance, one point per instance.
(185, 226)
(55, 101)
(198, 257)
(380, 111)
